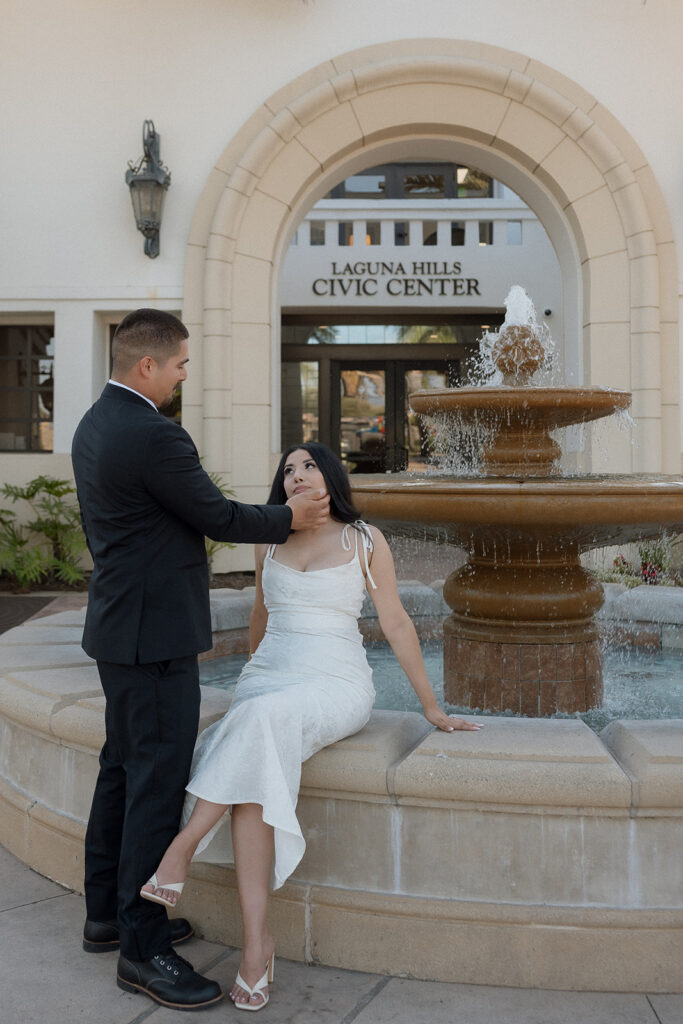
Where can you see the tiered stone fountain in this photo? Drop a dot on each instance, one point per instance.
(522, 635)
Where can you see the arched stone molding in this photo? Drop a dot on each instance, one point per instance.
(563, 152)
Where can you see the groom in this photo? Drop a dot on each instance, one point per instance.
(146, 505)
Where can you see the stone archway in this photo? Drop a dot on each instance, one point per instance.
(583, 174)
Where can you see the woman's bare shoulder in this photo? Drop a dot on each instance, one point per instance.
(378, 538)
(260, 551)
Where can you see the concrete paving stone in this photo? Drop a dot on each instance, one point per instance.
(68, 617)
(669, 1009)
(414, 1002)
(42, 635)
(203, 955)
(21, 886)
(300, 994)
(46, 977)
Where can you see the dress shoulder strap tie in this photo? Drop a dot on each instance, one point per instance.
(270, 553)
(362, 530)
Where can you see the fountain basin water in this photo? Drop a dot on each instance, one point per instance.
(639, 684)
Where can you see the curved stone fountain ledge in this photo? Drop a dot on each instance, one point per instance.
(534, 853)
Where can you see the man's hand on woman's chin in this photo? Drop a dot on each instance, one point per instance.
(310, 509)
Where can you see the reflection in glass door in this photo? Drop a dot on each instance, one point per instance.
(300, 405)
(362, 418)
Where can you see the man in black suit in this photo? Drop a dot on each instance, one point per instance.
(146, 505)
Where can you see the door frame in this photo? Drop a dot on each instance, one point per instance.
(394, 360)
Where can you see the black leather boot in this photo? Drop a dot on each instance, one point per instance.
(168, 980)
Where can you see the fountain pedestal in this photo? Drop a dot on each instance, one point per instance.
(521, 636)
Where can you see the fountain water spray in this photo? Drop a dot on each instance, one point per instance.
(522, 347)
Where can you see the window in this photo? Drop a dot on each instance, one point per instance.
(457, 232)
(299, 334)
(345, 232)
(424, 185)
(415, 180)
(317, 232)
(485, 232)
(514, 232)
(26, 388)
(365, 186)
(373, 234)
(473, 183)
(429, 232)
(401, 232)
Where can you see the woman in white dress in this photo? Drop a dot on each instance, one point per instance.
(307, 684)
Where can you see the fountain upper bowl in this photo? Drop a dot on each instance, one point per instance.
(552, 406)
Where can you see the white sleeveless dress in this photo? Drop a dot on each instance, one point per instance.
(307, 685)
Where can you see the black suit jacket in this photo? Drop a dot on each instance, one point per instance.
(146, 505)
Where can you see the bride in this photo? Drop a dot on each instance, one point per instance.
(307, 684)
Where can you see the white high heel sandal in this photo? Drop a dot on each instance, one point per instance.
(152, 896)
(258, 989)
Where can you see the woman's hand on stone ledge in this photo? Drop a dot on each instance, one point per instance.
(443, 721)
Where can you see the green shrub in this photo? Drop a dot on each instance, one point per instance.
(48, 547)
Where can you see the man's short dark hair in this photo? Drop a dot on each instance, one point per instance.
(146, 332)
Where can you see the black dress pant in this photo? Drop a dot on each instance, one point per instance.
(151, 719)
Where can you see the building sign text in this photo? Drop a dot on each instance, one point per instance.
(438, 278)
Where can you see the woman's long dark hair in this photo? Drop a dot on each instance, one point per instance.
(334, 475)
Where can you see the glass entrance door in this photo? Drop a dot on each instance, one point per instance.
(373, 428)
(348, 385)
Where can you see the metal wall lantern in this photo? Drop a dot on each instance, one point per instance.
(148, 181)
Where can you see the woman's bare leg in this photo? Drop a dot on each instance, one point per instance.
(253, 846)
(175, 863)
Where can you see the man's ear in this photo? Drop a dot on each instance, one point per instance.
(146, 367)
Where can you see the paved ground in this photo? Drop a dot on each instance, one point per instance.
(46, 978)
(16, 608)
